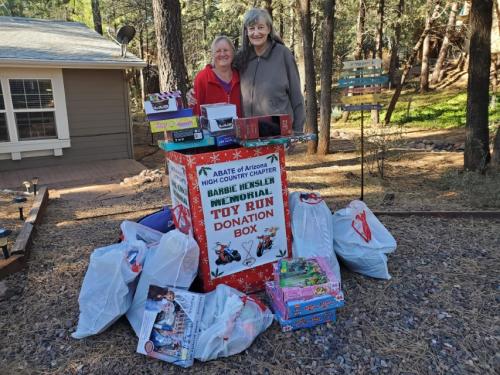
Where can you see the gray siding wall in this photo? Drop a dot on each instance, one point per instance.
(98, 118)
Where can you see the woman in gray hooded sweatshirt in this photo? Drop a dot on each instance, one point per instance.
(269, 78)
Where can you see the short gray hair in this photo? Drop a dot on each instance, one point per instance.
(216, 40)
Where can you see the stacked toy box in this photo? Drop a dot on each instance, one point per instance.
(166, 114)
(217, 120)
(304, 293)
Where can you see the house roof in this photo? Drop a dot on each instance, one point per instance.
(30, 42)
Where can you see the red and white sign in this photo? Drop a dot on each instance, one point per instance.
(238, 202)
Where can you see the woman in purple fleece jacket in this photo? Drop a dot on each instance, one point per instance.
(269, 78)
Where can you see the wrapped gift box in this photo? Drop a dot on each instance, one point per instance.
(237, 201)
(259, 127)
(296, 308)
(306, 321)
(303, 292)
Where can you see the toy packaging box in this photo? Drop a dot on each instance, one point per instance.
(301, 279)
(161, 103)
(178, 123)
(174, 146)
(218, 118)
(170, 326)
(193, 134)
(297, 308)
(237, 200)
(292, 139)
(306, 321)
(262, 126)
(223, 140)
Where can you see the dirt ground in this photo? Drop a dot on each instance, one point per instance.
(437, 315)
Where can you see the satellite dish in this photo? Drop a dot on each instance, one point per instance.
(124, 36)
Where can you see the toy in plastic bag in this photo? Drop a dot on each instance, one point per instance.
(361, 240)
(161, 220)
(230, 323)
(107, 288)
(311, 221)
(173, 262)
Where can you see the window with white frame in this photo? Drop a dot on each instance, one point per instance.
(33, 104)
(33, 116)
(4, 132)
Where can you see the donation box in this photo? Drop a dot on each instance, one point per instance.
(238, 206)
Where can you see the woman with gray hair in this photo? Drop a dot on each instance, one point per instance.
(218, 82)
(269, 78)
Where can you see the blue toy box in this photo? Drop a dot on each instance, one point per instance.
(306, 321)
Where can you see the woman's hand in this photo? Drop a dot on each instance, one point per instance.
(191, 100)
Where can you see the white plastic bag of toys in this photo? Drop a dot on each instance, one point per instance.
(107, 289)
(173, 262)
(311, 221)
(361, 241)
(230, 323)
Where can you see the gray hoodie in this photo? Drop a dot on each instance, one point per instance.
(270, 85)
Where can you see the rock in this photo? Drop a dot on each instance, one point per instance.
(420, 146)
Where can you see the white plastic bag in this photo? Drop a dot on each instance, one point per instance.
(230, 323)
(311, 221)
(107, 289)
(135, 231)
(361, 240)
(173, 262)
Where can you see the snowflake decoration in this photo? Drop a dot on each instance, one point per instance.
(204, 261)
(257, 151)
(261, 275)
(190, 160)
(240, 280)
(284, 191)
(236, 155)
(192, 176)
(214, 158)
(196, 200)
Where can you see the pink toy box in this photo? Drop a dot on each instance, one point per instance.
(294, 309)
(297, 286)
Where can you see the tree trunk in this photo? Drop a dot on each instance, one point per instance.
(269, 7)
(310, 76)
(380, 28)
(477, 152)
(495, 158)
(409, 65)
(443, 52)
(394, 63)
(424, 71)
(96, 15)
(360, 31)
(326, 76)
(168, 29)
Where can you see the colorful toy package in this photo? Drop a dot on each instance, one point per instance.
(306, 321)
(300, 279)
(170, 326)
(297, 308)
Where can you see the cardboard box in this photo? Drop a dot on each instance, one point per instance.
(248, 128)
(218, 111)
(217, 126)
(193, 134)
(162, 102)
(306, 321)
(238, 203)
(224, 140)
(296, 308)
(185, 112)
(180, 123)
(174, 146)
(293, 293)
